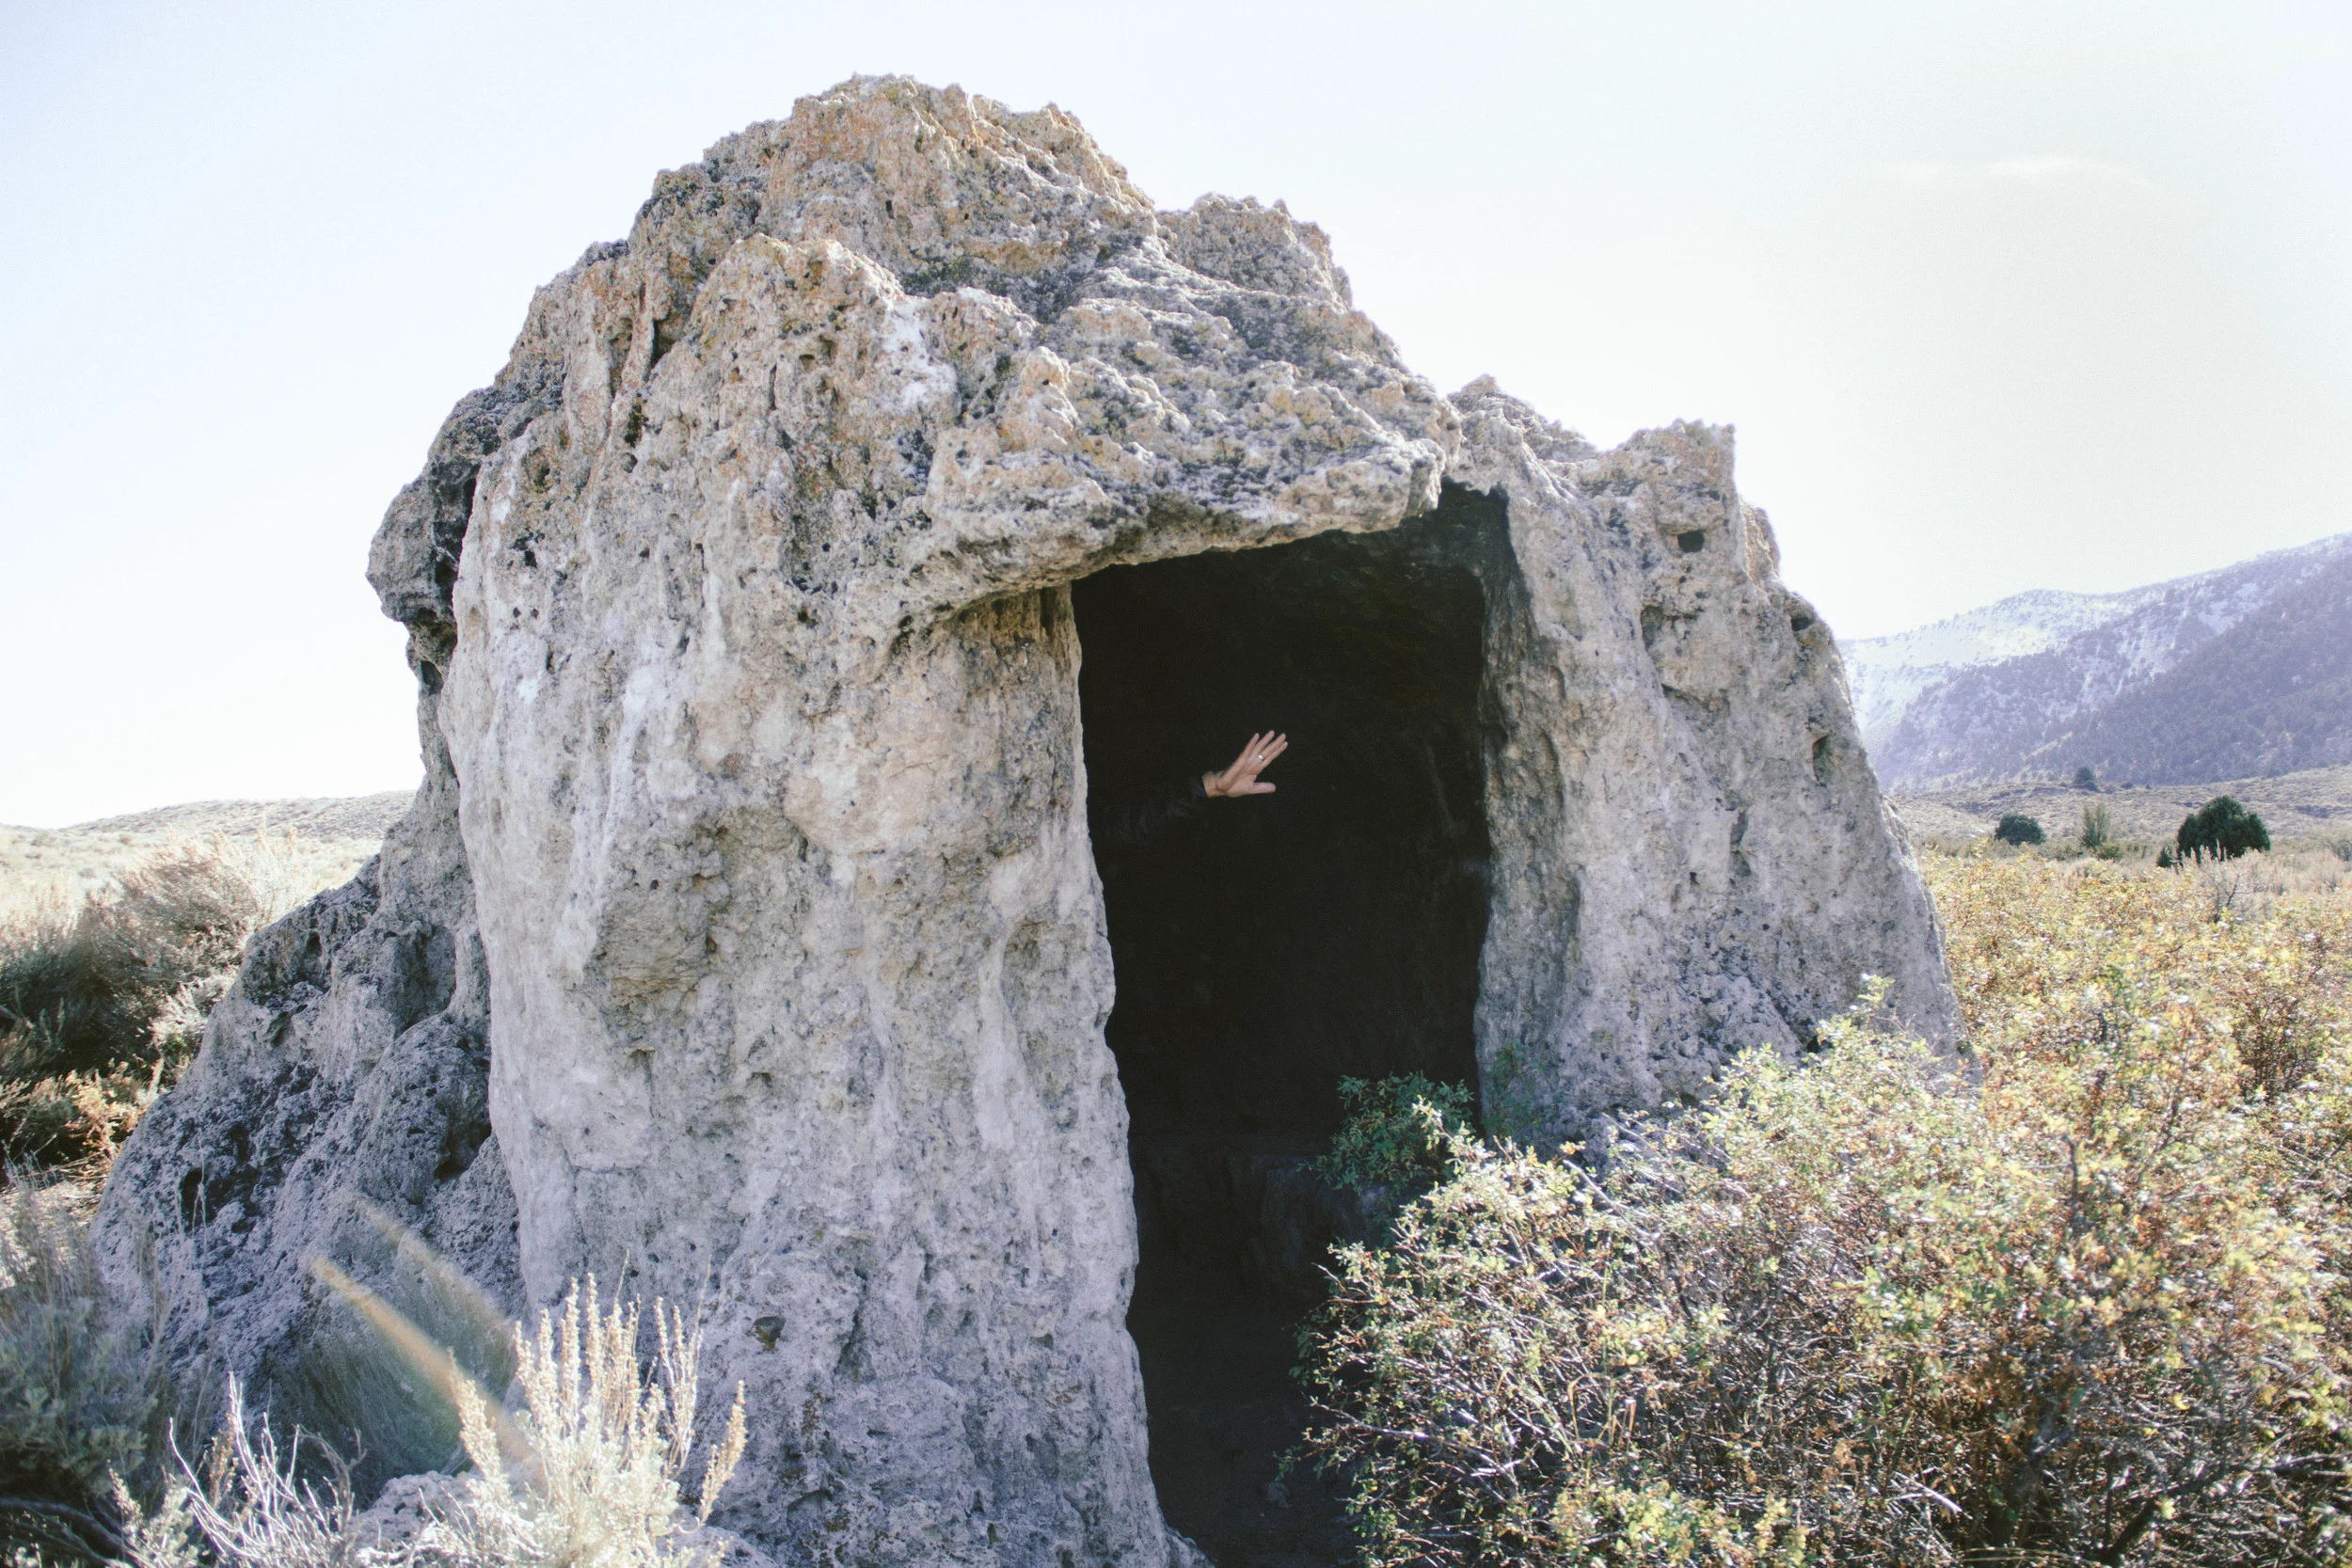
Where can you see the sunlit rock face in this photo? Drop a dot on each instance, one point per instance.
(741, 603)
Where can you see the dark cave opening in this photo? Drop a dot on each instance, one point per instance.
(1270, 946)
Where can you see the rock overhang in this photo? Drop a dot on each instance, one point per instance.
(1111, 367)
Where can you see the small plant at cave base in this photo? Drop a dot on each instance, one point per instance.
(2018, 829)
(2086, 776)
(605, 1445)
(1396, 1133)
(250, 1504)
(2220, 830)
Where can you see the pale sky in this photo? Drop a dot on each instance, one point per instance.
(1999, 296)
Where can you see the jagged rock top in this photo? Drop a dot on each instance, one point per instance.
(989, 323)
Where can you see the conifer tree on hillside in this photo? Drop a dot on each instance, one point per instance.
(2222, 829)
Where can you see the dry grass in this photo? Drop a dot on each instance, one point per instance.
(102, 1008)
(2091, 1310)
(82, 1396)
(2314, 805)
(587, 1475)
(315, 844)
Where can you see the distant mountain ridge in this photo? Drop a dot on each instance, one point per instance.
(2240, 672)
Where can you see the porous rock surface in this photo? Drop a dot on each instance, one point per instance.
(750, 901)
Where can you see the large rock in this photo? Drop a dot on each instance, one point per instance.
(758, 856)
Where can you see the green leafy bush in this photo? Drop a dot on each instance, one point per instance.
(2221, 829)
(1395, 1133)
(2017, 828)
(2086, 776)
(2098, 831)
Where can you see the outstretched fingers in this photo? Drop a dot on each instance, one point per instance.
(1255, 757)
(1241, 777)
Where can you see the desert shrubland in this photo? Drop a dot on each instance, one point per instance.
(2075, 1296)
(102, 1005)
(2073, 1291)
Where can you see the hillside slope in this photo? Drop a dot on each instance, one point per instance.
(1890, 674)
(298, 844)
(2312, 806)
(2270, 695)
(2234, 672)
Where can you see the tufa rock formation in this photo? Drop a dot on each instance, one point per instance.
(747, 934)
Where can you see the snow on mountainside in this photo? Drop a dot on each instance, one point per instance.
(1889, 673)
(2021, 686)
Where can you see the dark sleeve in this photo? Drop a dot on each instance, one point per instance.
(1143, 819)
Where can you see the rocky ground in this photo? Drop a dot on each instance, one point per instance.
(306, 844)
(2313, 806)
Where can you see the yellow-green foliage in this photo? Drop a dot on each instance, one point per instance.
(2077, 1299)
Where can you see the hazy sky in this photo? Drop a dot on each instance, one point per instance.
(1999, 296)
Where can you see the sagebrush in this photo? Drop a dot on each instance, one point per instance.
(84, 1396)
(102, 1007)
(2091, 1308)
(587, 1474)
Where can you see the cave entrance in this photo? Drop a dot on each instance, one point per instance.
(1274, 946)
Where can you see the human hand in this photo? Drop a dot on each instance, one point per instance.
(1241, 778)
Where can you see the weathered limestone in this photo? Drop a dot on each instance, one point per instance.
(347, 1068)
(757, 854)
(1692, 855)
